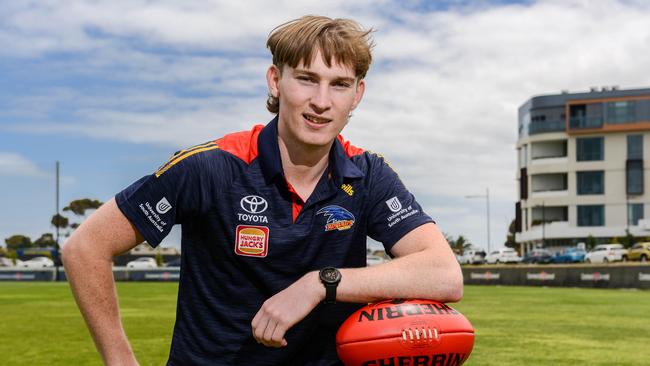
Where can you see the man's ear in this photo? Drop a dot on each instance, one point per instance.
(273, 75)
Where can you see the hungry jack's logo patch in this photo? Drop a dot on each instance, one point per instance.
(252, 241)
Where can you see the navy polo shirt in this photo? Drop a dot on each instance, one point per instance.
(246, 236)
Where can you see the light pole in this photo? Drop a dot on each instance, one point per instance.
(487, 205)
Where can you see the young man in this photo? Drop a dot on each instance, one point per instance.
(274, 222)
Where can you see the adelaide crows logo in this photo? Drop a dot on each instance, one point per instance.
(338, 218)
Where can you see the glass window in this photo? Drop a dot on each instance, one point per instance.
(591, 182)
(591, 215)
(590, 148)
(621, 112)
(634, 176)
(634, 213)
(635, 146)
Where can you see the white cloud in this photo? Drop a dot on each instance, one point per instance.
(442, 96)
(12, 164)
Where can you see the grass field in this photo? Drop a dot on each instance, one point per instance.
(40, 325)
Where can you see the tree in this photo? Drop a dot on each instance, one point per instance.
(461, 244)
(590, 242)
(46, 240)
(18, 241)
(60, 221)
(510, 237)
(79, 207)
(159, 258)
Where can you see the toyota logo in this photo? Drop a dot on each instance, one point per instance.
(253, 204)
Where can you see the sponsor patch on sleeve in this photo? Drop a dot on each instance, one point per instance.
(252, 241)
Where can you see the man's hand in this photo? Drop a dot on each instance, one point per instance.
(286, 308)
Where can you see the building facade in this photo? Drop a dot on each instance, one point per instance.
(582, 167)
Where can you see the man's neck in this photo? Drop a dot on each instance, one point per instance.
(303, 165)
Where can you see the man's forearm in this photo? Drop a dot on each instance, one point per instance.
(417, 275)
(91, 280)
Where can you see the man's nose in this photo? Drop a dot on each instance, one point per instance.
(321, 99)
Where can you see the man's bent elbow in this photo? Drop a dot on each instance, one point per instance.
(453, 291)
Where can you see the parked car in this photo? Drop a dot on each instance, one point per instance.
(37, 262)
(7, 262)
(506, 255)
(142, 263)
(538, 256)
(174, 263)
(569, 255)
(604, 253)
(638, 252)
(472, 256)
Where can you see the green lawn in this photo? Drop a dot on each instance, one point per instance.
(514, 325)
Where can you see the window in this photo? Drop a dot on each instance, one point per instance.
(591, 182)
(634, 213)
(621, 112)
(634, 177)
(591, 215)
(590, 148)
(635, 146)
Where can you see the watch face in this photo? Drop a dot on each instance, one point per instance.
(330, 275)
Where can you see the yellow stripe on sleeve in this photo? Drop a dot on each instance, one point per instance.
(178, 157)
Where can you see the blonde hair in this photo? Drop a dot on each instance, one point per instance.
(343, 41)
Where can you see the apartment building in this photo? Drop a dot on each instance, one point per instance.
(582, 167)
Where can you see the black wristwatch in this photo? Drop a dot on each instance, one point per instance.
(330, 277)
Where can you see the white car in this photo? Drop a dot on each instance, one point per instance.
(604, 253)
(472, 256)
(37, 262)
(142, 263)
(506, 255)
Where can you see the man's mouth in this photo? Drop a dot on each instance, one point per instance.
(317, 120)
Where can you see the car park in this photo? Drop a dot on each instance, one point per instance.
(605, 253)
(142, 263)
(538, 256)
(472, 256)
(638, 252)
(506, 255)
(569, 255)
(37, 262)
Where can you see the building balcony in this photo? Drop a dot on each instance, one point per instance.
(578, 122)
(537, 127)
(549, 185)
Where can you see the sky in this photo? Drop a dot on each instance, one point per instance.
(112, 88)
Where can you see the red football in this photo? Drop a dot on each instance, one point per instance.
(405, 332)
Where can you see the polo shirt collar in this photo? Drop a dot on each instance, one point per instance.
(340, 165)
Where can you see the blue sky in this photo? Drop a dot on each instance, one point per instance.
(112, 88)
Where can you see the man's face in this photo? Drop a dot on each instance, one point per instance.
(315, 101)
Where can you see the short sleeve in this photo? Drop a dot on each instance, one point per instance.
(394, 212)
(156, 202)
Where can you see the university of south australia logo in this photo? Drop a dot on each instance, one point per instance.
(253, 204)
(163, 206)
(394, 204)
(338, 218)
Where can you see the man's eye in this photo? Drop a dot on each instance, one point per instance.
(342, 85)
(305, 78)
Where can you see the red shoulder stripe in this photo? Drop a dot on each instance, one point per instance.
(350, 149)
(241, 144)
